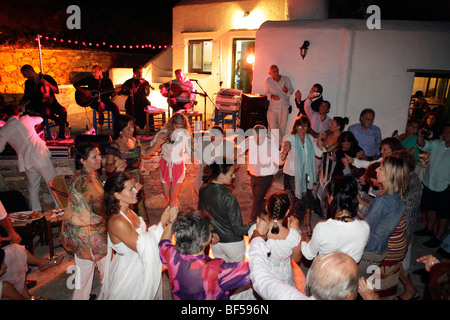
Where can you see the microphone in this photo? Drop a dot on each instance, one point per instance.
(194, 80)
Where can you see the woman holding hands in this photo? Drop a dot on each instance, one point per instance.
(134, 273)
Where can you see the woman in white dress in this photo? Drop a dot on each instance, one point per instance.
(134, 272)
(283, 238)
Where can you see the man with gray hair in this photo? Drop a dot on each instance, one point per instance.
(367, 134)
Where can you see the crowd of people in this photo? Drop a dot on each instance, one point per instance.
(363, 187)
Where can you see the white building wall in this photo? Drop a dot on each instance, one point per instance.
(357, 67)
(222, 22)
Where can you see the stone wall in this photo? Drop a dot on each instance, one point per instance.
(64, 65)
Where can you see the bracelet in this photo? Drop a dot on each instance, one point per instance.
(168, 222)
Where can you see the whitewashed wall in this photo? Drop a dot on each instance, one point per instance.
(357, 67)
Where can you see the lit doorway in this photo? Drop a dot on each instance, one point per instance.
(242, 74)
(430, 93)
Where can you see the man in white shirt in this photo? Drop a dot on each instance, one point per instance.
(278, 90)
(263, 163)
(33, 156)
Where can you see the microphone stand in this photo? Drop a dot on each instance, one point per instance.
(205, 95)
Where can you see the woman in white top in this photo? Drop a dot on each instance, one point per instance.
(341, 233)
(134, 273)
(174, 154)
(283, 239)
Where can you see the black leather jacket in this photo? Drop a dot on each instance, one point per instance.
(224, 209)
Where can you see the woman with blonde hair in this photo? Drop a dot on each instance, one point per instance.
(174, 154)
(385, 212)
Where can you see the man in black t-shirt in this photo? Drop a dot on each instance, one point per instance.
(105, 88)
(39, 97)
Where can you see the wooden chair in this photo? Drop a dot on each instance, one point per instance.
(59, 189)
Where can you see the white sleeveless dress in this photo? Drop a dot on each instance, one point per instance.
(132, 275)
(279, 261)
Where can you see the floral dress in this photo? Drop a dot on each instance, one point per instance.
(83, 230)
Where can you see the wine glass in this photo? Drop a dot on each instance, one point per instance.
(54, 134)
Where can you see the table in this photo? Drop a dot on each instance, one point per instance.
(155, 112)
(26, 227)
(52, 220)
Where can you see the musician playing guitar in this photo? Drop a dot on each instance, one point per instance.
(179, 92)
(105, 89)
(39, 98)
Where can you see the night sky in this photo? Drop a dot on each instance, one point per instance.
(122, 23)
(150, 21)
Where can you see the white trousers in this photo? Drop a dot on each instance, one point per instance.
(230, 252)
(277, 119)
(42, 168)
(85, 269)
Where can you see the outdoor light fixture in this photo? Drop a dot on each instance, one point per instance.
(304, 49)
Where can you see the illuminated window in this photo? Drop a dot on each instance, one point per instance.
(200, 56)
(432, 86)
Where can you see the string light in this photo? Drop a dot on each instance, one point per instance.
(117, 46)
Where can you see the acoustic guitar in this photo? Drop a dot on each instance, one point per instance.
(84, 97)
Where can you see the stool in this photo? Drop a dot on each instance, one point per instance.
(48, 124)
(192, 117)
(108, 118)
(223, 114)
(159, 115)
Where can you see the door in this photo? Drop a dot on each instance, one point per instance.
(242, 74)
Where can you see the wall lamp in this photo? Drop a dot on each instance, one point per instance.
(304, 49)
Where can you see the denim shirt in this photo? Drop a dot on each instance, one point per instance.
(383, 217)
